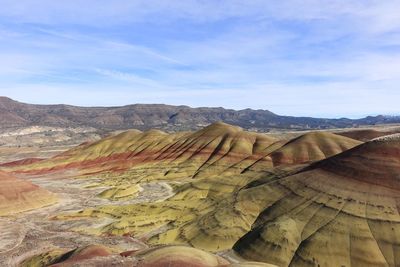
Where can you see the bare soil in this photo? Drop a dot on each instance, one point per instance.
(27, 234)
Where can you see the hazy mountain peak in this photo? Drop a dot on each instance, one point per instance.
(163, 117)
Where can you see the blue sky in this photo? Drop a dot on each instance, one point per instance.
(303, 58)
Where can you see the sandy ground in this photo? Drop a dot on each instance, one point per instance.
(8, 154)
(30, 233)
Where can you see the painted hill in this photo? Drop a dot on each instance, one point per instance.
(319, 199)
(222, 159)
(342, 211)
(365, 135)
(307, 148)
(310, 147)
(17, 195)
(165, 117)
(184, 154)
(376, 162)
(215, 148)
(171, 256)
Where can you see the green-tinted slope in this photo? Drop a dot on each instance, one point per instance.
(342, 211)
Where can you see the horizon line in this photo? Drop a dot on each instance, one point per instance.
(196, 107)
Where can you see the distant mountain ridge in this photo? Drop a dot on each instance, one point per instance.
(14, 114)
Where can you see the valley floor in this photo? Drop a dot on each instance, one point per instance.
(31, 233)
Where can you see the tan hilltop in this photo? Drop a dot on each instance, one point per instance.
(304, 149)
(311, 147)
(17, 195)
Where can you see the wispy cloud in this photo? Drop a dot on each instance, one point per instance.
(332, 56)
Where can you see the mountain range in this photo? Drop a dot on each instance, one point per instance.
(15, 114)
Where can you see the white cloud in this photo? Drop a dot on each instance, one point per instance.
(287, 56)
